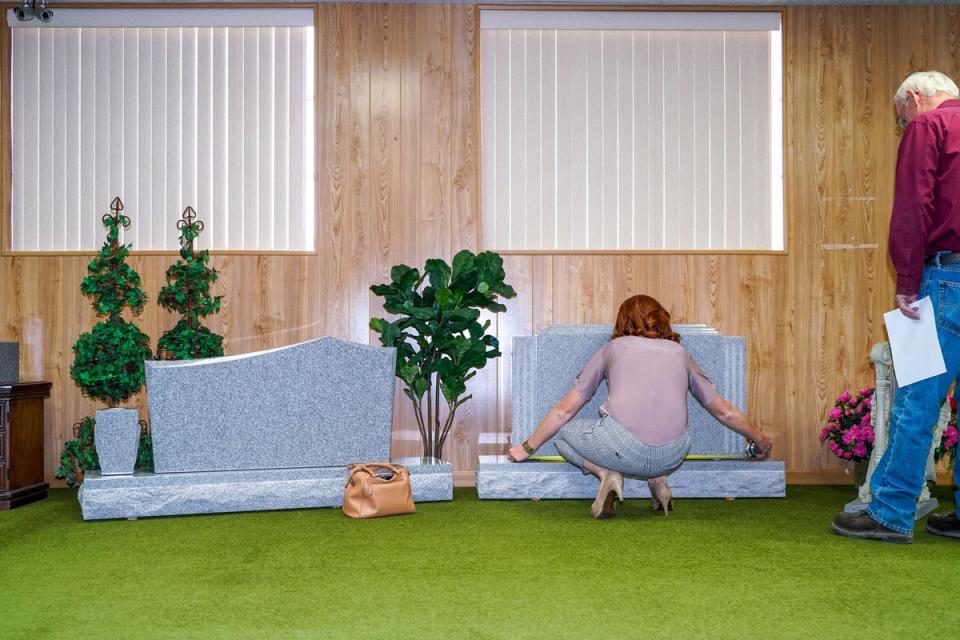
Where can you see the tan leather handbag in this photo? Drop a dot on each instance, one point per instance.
(377, 489)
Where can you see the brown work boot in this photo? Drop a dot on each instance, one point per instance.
(861, 525)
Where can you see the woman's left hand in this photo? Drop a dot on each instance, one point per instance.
(765, 444)
(517, 454)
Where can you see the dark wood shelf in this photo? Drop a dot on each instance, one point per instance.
(21, 443)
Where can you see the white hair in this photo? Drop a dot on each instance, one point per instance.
(927, 83)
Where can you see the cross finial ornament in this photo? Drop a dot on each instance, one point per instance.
(113, 221)
(189, 227)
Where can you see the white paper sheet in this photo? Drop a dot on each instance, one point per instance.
(914, 344)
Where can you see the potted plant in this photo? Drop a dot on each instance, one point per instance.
(849, 430)
(108, 361)
(947, 447)
(439, 339)
(187, 292)
(78, 455)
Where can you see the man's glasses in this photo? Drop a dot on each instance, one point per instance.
(902, 121)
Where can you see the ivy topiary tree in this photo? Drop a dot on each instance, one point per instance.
(108, 361)
(439, 340)
(79, 455)
(187, 292)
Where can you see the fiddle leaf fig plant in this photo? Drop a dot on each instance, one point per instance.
(437, 333)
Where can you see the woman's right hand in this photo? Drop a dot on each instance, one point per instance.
(517, 454)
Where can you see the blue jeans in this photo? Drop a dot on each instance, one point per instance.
(900, 475)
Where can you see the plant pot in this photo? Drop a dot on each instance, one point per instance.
(116, 437)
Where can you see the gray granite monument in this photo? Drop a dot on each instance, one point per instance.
(267, 430)
(9, 362)
(544, 369)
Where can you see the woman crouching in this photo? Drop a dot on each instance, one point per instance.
(642, 430)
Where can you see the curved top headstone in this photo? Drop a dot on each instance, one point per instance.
(326, 402)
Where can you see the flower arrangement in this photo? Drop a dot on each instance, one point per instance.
(948, 442)
(849, 431)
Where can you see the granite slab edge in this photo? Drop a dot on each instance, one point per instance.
(151, 495)
(547, 481)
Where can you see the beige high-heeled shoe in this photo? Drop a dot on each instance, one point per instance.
(611, 486)
(661, 498)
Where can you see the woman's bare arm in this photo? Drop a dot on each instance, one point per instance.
(730, 416)
(560, 415)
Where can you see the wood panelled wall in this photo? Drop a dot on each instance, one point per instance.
(398, 182)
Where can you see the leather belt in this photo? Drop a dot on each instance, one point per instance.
(945, 258)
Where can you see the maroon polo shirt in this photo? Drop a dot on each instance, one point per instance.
(926, 203)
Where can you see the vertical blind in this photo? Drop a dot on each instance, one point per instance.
(209, 109)
(631, 130)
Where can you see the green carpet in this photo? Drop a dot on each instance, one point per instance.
(472, 569)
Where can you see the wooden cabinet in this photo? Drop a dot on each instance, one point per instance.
(21, 443)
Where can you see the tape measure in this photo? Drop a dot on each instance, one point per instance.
(689, 457)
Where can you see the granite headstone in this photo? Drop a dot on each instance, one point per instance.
(268, 430)
(544, 369)
(314, 404)
(9, 362)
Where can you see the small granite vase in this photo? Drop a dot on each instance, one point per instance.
(116, 436)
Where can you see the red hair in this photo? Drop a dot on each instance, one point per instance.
(644, 316)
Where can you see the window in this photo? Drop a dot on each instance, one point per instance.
(165, 108)
(631, 130)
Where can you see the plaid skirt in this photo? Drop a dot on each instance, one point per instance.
(608, 444)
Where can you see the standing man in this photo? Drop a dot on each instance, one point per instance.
(924, 247)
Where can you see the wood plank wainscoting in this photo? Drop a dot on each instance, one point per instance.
(398, 131)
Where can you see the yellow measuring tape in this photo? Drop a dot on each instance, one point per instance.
(690, 457)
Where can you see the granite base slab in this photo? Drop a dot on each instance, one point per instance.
(498, 480)
(144, 495)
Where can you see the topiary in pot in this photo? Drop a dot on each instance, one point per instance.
(108, 361)
(187, 292)
(439, 340)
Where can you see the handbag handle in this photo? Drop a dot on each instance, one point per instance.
(371, 468)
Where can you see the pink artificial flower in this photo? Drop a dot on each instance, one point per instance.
(844, 397)
(850, 435)
(860, 450)
(847, 455)
(835, 413)
(950, 437)
(866, 392)
(836, 448)
(824, 433)
(868, 403)
(865, 420)
(867, 433)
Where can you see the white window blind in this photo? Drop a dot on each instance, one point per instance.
(166, 109)
(641, 130)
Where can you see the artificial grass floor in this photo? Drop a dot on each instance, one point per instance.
(472, 569)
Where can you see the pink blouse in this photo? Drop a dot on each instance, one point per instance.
(647, 381)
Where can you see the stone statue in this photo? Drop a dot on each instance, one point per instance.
(886, 385)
